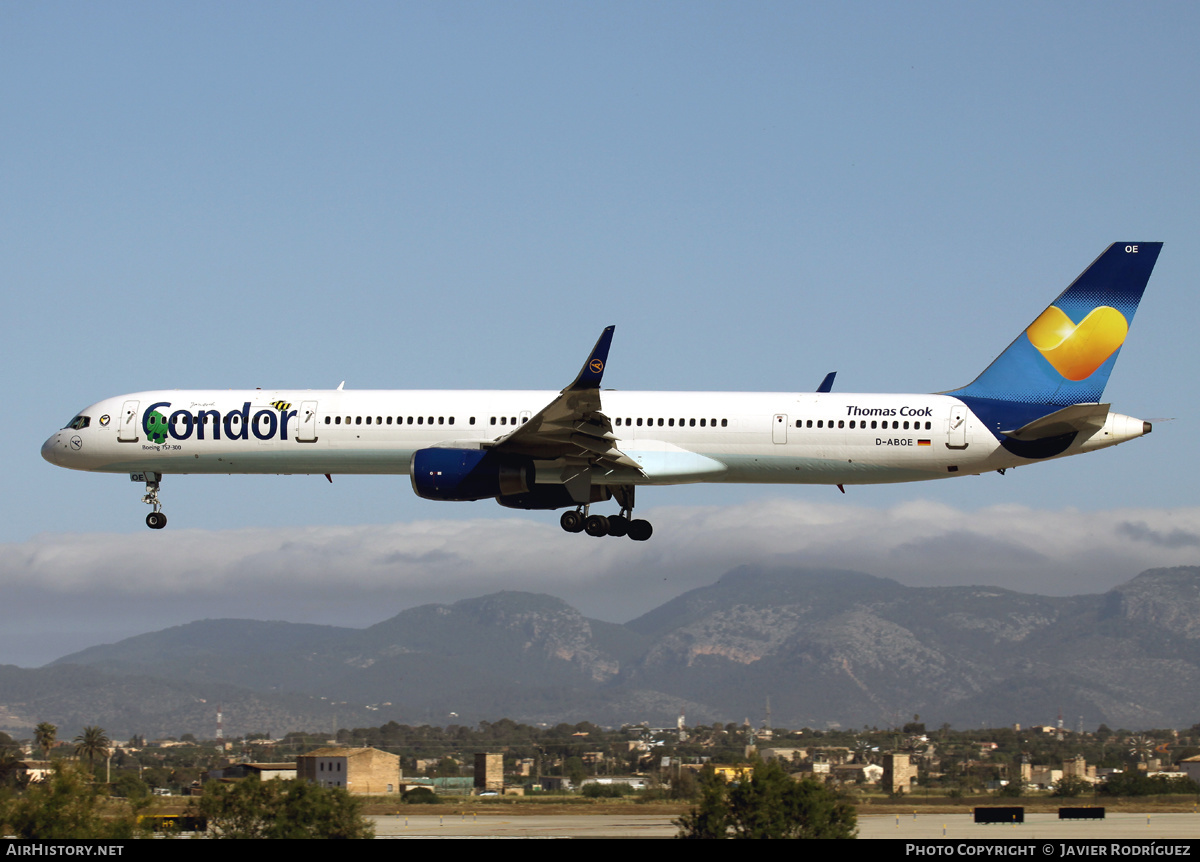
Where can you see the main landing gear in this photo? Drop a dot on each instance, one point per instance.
(156, 520)
(624, 524)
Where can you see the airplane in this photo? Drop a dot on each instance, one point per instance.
(1039, 399)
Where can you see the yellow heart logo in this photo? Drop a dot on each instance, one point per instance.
(1077, 350)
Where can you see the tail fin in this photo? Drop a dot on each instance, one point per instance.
(1065, 356)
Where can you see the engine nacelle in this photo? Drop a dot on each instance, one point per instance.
(552, 497)
(468, 474)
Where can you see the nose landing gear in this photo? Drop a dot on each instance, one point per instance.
(156, 520)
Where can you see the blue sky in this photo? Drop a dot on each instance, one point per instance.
(461, 195)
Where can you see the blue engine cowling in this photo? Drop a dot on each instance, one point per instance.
(468, 474)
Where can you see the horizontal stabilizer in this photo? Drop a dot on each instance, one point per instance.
(1077, 417)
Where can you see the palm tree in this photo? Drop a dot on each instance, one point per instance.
(45, 734)
(92, 743)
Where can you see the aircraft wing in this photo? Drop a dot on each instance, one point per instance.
(572, 426)
(1077, 417)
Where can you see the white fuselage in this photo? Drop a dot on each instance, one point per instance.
(675, 437)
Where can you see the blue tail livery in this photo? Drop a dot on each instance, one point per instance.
(1065, 356)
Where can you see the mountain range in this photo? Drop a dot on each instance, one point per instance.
(826, 648)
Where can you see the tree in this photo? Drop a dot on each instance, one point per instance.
(282, 809)
(1070, 786)
(574, 770)
(10, 766)
(1013, 790)
(65, 806)
(45, 734)
(768, 803)
(710, 818)
(92, 743)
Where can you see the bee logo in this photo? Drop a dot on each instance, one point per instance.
(281, 405)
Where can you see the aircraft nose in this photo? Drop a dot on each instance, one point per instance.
(52, 449)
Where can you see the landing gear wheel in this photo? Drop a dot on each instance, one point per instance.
(640, 530)
(596, 525)
(572, 522)
(618, 525)
(156, 520)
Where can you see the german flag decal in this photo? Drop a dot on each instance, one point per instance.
(924, 443)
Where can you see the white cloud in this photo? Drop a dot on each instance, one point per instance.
(360, 575)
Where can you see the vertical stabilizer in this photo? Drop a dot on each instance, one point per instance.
(1065, 356)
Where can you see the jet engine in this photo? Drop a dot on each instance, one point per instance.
(468, 474)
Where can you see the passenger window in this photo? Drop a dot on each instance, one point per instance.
(820, 423)
(841, 423)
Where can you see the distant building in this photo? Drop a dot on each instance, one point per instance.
(899, 773)
(489, 772)
(1044, 777)
(1191, 767)
(787, 755)
(264, 771)
(34, 770)
(1078, 768)
(634, 782)
(366, 771)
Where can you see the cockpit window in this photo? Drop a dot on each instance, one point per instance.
(79, 422)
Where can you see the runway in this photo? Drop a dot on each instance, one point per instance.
(922, 827)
